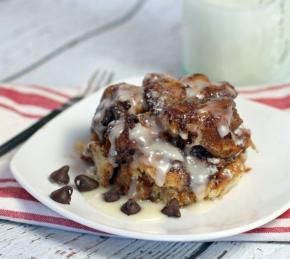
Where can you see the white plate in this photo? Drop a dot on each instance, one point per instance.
(260, 196)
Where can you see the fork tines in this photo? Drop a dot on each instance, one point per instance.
(97, 80)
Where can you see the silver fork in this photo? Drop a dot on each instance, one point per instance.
(97, 80)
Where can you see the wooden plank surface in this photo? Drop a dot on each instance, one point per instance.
(24, 241)
(60, 43)
(245, 250)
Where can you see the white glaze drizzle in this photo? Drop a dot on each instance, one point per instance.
(123, 93)
(133, 95)
(199, 174)
(161, 155)
(238, 140)
(194, 87)
(213, 160)
(156, 152)
(223, 129)
(150, 210)
(116, 128)
(183, 135)
(143, 135)
(224, 116)
(133, 188)
(191, 93)
(238, 135)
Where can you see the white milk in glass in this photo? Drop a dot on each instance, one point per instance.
(245, 42)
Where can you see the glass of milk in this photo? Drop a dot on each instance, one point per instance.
(244, 42)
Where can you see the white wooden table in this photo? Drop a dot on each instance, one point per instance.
(60, 43)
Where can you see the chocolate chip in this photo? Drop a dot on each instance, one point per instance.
(113, 113)
(176, 141)
(131, 120)
(62, 195)
(60, 176)
(112, 195)
(109, 116)
(85, 183)
(200, 152)
(126, 105)
(172, 209)
(130, 207)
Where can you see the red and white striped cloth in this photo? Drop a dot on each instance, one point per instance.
(21, 106)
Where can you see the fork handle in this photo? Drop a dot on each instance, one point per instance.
(25, 134)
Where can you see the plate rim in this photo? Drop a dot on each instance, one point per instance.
(135, 234)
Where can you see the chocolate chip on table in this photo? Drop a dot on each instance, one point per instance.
(85, 183)
(112, 195)
(172, 209)
(62, 195)
(130, 207)
(60, 176)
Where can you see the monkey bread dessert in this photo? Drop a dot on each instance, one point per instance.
(169, 139)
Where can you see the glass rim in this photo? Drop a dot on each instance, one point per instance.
(259, 7)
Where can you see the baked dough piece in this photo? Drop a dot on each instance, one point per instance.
(168, 139)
